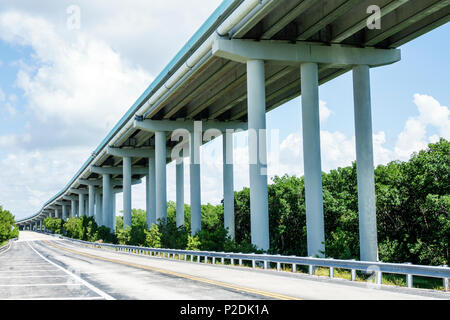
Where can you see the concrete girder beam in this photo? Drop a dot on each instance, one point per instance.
(132, 153)
(67, 197)
(172, 125)
(98, 182)
(299, 53)
(78, 191)
(117, 170)
(63, 203)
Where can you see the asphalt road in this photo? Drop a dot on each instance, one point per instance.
(38, 266)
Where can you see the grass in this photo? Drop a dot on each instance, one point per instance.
(388, 279)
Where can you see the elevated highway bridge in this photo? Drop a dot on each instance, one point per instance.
(248, 58)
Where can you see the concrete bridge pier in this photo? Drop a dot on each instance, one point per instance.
(312, 160)
(179, 173)
(228, 185)
(126, 192)
(259, 207)
(81, 205)
(150, 191)
(91, 197)
(364, 164)
(107, 201)
(195, 140)
(98, 207)
(161, 179)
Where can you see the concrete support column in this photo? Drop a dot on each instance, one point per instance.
(107, 205)
(150, 190)
(312, 160)
(195, 139)
(259, 208)
(40, 225)
(179, 167)
(64, 212)
(228, 186)
(126, 192)
(98, 207)
(113, 213)
(161, 182)
(364, 164)
(91, 208)
(81, 205)
(73, 207)
(57, 214)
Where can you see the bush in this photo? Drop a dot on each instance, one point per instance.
(53, 224)
(193, 243)
(153, 237)
(8, 228)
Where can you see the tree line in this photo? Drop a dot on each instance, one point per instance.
(412, 202)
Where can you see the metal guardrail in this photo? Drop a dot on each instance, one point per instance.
(7, 245)
(265, 260)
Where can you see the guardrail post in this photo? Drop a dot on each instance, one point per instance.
(278, 266)
(240, 262)
(265, 264)
(331, 272)
(310, 269)
(223, 260)
(409, 279)
(294, 267)
(232, 261)
(445, 281)
(192, 258)
(253, 264)
(353, 273)
(213, 260)
(379, 277)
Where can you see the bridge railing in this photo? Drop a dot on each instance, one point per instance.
(265, 261)
(7, 245)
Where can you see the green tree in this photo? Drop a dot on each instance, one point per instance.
(153, 237)
(8, 228)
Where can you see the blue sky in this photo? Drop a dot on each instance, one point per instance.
(62, 91)
(424, 68)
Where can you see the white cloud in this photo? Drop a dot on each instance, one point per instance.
(324, 112)
(414, 135)
(81, 83)
(149, 33)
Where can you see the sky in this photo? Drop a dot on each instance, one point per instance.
(64, 85)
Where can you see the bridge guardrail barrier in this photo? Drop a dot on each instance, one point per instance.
(407, 269)
(7, 245)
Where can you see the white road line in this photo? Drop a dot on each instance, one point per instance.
(23, 265)
(41, 285)
(59, 298)
(28, 270)
(20, 277)
(87, 284)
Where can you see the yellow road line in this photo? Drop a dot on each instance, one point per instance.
(181, 275)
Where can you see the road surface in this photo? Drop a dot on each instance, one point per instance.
(39, 266)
